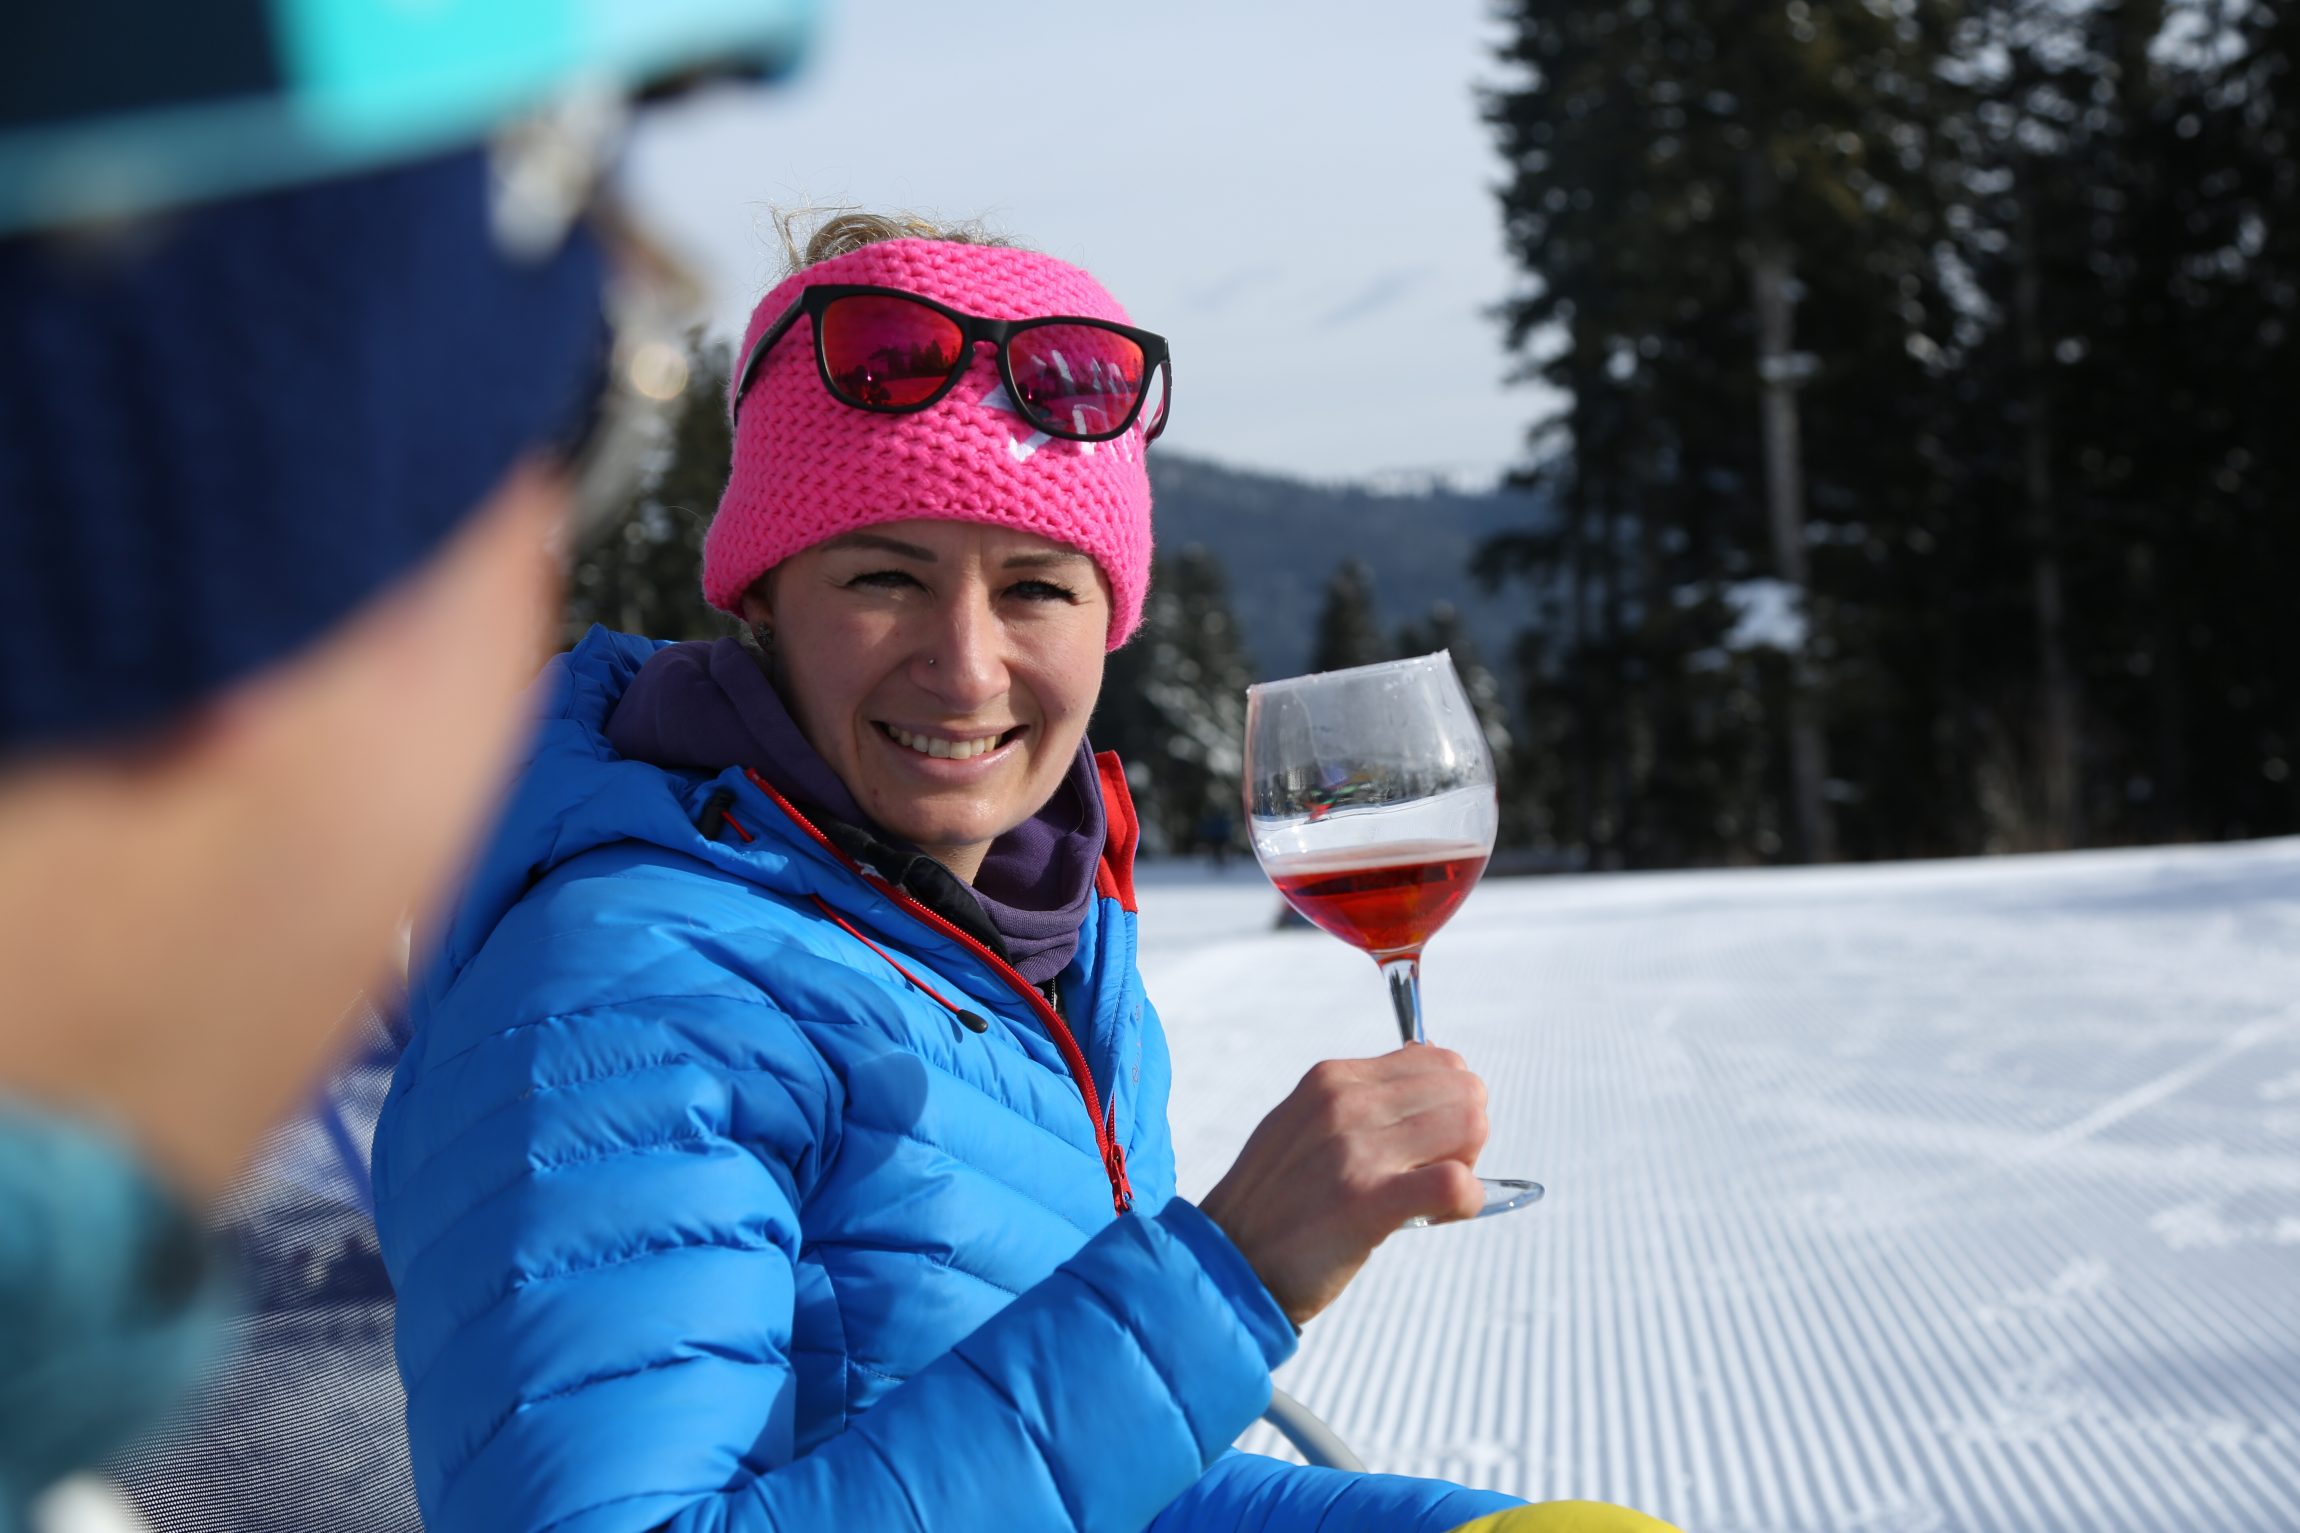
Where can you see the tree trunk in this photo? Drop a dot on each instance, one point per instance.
(2056, 723)
(1779, 371)
(1620, 788)
(1578, 680)
(1575, 670)
(2167, 815)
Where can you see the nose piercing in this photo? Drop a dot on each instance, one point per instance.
(930, 662)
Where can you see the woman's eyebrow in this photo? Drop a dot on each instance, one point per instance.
(1049, 558)
(883, 544)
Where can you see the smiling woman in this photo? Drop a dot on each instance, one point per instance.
(783, 1139)
(944, 670)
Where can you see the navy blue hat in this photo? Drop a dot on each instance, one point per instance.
(223, 431)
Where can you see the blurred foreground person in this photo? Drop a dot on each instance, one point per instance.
(782, 1140)
(295, 382)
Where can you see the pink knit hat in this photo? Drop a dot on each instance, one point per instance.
(808, 467)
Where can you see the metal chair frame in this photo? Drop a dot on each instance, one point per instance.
(1311, 1437)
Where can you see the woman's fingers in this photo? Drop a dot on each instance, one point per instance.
(1451, 1130)
(1409, 1118)
(1358, 1148)
(1442, 1192)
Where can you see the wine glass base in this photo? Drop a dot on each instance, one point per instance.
(1501, 1195)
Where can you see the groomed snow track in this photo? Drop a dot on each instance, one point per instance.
(1951, 1196)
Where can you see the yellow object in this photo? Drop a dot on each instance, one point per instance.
(1568, 1517)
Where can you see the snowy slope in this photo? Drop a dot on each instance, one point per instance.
(1958, 1196)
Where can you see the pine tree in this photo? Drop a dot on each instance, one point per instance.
(2019, 278)
(640, 571)
(2114, 226)
(2201, 473)
(1724, 212)
(1442, 629)
(1349, 629)
(1174, 705)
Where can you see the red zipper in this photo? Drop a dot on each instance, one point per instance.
(1105, 1129)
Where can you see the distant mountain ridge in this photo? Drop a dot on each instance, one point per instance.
(1279, 540)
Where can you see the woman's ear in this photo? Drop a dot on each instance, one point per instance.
(759, 603)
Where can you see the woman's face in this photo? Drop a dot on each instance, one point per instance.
(945, 670)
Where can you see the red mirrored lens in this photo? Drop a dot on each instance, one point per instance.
(888, 352)
(1081, 380)
(1153, 417)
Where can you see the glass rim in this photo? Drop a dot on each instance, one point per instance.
(1409, 662)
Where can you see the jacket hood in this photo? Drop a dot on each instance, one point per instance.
(574, 793)
(706, 705)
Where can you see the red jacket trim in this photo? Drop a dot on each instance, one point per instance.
(1115, 878)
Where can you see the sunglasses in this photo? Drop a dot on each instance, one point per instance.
(894, 353)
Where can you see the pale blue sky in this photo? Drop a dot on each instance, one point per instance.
(1298, 192)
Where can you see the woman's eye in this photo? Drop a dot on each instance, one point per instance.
(885, 580)
(1041, 590)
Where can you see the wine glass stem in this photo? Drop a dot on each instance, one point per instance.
(1405, 977)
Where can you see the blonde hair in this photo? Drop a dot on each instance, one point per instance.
(836, 231)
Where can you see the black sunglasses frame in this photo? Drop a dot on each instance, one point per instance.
(974, 330)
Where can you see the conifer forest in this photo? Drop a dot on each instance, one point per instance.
(1928, 482)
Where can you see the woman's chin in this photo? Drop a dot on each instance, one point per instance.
(960, 820)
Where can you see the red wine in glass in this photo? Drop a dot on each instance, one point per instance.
(1388, 901)
(1369, 795)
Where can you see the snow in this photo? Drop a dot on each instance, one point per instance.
(1949, 1196)
(1768, 614)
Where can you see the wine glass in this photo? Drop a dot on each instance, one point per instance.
(1369, 794)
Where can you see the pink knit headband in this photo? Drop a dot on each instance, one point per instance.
(808, 468)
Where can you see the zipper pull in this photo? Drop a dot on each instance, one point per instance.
(1114, 1163)
(1121, 1190)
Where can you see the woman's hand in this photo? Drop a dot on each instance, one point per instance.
(1361, 1146)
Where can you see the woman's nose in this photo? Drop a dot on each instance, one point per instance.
(963, 662)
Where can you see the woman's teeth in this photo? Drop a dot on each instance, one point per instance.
(952, 750)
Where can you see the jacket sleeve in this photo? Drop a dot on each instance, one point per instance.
(591, 1217)
(111, 1299)
(1252, 1493)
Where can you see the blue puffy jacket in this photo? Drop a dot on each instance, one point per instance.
(725, 1189)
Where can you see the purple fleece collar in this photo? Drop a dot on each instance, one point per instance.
(707, 705)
